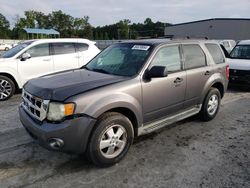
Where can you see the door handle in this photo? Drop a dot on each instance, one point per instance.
(77, 57)
(46, 59)
(178, 80)
(207, 73)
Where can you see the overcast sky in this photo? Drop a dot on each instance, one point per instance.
(104, 12)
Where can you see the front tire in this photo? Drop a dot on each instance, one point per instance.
(211, 105)
(110, 140)
(7, 88)
(6, 49)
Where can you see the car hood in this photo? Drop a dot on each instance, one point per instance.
(239, 64)
(62, 85)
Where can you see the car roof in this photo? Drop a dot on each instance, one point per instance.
(61, 40)
(244, 42)
(156, 42)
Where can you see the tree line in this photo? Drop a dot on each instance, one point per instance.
(70, 27)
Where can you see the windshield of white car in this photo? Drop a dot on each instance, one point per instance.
(124, 59)
(13, 51)
(241, 52)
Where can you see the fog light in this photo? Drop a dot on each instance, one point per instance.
(56, 143)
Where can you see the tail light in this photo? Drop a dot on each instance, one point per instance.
(227, 71)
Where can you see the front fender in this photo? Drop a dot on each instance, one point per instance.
(12, 72)
(97, 104)
(116, 101)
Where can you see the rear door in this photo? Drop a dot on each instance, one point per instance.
(65, 56)
(218, 58)
(164, 96)
(198, 72)
(40, 63)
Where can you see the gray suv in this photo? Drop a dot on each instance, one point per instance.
(127, 90)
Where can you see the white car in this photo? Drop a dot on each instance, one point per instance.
(239, 64)
(228, 44)
(5, 47)
(36, 58)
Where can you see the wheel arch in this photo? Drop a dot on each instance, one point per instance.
(220, 87)
(129, 114)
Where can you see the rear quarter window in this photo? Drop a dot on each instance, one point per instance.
(216, 53)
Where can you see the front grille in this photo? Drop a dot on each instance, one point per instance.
(34, 106)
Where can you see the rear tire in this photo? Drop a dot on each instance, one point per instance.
(6, 49)
(7, 88)
(110, 140)
(211, 105)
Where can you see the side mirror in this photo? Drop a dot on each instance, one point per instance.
(157, 72)
(25, 56)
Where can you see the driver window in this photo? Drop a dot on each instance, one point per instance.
(168, 57)
(39, 50)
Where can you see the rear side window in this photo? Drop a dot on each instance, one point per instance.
(63, 48)
(80, 47)
(194, 56)
(168, 57)
(39, 50)
(216, 53)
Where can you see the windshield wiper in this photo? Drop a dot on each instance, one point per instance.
(101, 71)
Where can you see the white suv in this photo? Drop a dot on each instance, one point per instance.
(239, 64)
(35, 58)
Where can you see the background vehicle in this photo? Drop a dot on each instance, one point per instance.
(5, 47)
(127, 90)
(239, 64)
(35, 58)
(228, 44)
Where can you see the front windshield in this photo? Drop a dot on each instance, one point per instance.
(13, 51)
(120, 59)
(241, 52)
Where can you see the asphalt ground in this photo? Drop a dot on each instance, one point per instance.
(189, 153)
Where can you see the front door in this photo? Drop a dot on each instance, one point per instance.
(164, 96)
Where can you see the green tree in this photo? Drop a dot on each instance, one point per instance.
(123, 30)
(4, 27)
(101, 36)
(42, 20)
(63, 23)
(106, 37)
(96, 37)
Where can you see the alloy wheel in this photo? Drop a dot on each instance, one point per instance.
(113, 141)
(213, 104)
(5, 89)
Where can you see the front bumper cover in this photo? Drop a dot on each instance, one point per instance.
(74, 132)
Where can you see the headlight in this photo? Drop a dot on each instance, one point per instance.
(57, 111)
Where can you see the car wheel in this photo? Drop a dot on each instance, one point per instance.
(6, 49)
(210, 105)
(7, 88)
(111, 139)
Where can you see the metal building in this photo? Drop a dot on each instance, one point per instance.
(217, 28)
(33, 33)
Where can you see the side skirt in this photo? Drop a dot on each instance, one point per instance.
(153, 126)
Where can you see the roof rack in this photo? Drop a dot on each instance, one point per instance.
(185, 37)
